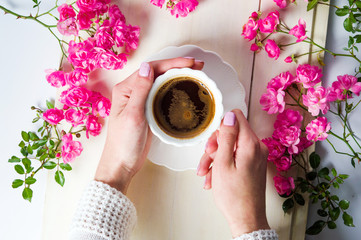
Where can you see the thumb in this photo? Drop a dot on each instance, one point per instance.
(227, 138)
(143, 84)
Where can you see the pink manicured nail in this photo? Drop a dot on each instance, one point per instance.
(144, 69)
(205, 147)
(198, 168)
(189, 57)
(198, 61)
(229, 119)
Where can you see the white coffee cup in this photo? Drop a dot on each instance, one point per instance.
(203, 79)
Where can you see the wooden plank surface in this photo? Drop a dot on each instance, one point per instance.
(173, 205)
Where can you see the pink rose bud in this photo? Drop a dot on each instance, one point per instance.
(288, 59)
(254, 47)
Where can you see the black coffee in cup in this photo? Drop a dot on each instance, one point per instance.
(183, 107)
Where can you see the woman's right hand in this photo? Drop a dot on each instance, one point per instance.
(238, 174)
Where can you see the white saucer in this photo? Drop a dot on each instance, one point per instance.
(184, 158)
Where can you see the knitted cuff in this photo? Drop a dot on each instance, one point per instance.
(103, 212)
(259, 235)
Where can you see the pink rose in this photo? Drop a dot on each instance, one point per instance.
(108, 59)
(275, 148)
(288, 118)
(249, 30)
(288, 137)
(283, 163)
(75, 117)
(308, 75)
(272, 49)
(68, 27)
(316, 100)
(84, 19)
(102, 107)
(344, 86)
(158, 3)
(66, 11)
(98, 6)
(53, 116)
(76, 78)
(103, 37)
(55, 78)
(281, 3)
(70, 149)
(270, 23)
(288, 59)
(299, 31)
(93, 127)
(115, 14)
(273, 101)
(284, 186)
(183, 8)
(75, 97)
(254, 47)
(82, 55)
(282, 81)
(317, 129)
(304, 144)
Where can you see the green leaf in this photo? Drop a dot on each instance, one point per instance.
(49, 165)
(311, 176)
(334, 198)
(35, 120)
(59, 178)
(325, 204)
(49, 104)
(24, 151)
(30, 180)
(336, 185)
(334, 172)
(358, 4)
(322, 213)
(311, 4)
(353, 162)
(19, 169)
(35, 146)
(315, 160)
(316, 228)
(43, 157)
(65, 167)
(328, 178)
(347, 219)
(27, 164)
(42, 142)
(331, 225)
(17, 183)
(344, 204)
(33, 136)
(323, 172)
(14, 159)
(25, 136)
(29, 149)
(342, 11)
(299, 199)
(343, 176)
(350, 41)
(27, 194)
(287, 205)
(334, 213)
(22, 144)
(347, 24)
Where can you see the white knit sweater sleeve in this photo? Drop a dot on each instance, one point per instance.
(103, 213)
(259, 235)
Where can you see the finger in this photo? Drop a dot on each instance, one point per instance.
(198, 65)
(120, 96)
(211, 145)
(161, 66)
(208, 180)
(204, 165)
(227, 138)
(141, 88)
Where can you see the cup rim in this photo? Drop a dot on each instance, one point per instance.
(210, 84)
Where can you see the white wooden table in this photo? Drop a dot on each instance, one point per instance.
(173, 205)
